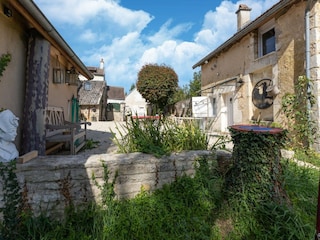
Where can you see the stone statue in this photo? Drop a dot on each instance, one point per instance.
(8, 132)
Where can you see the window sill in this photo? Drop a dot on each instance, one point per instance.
(269, 55)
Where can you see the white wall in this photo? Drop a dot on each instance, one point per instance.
(204, 106)
(135, 103)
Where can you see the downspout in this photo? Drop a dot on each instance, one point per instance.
(307, 43)
(307, 33)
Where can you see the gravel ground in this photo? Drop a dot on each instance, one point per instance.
(102, 133)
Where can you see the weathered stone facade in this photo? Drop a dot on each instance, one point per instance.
(230, 72)
(50, 183)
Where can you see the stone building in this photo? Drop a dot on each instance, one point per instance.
(246, 77)
(92, 100)
(93, 95)
(115, 106)
(136, 105)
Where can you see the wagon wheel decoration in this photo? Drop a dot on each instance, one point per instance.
(260, 97)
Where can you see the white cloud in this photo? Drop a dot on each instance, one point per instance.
(75, 12)
(166, 32)
(81, 12)
(88, 36)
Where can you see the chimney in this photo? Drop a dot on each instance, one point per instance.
(243, 16)
(101, 64)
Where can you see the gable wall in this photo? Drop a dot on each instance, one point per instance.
(135, 104)
(282, 66)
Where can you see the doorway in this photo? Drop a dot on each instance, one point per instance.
(227, 111)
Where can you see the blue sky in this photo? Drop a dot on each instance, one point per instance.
(128, 34)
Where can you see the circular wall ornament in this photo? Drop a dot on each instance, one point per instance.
(260, 97)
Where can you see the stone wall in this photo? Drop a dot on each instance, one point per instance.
(50, 183)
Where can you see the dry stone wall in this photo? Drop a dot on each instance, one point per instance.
(51, 183)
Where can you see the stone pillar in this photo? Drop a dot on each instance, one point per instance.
(36, 97)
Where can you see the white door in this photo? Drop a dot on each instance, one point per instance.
(230, 109)
(227, 112)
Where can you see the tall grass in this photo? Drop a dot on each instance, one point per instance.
(160, 137)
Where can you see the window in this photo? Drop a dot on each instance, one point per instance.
(266, 39)
(71, 78)
(58, 71)
(268, 42)
(57, 75)
(87, 86)
(214, 106)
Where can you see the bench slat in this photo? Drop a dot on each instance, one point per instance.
(58, 130)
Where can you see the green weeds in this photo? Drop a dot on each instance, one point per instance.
(90, 144)
(189, 208)
(12, 199)
(160, 137)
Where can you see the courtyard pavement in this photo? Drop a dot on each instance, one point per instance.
(101, 135)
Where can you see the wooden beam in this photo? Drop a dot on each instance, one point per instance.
(53, 148)
(28, 156)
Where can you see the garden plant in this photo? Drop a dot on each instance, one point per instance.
(204, 206)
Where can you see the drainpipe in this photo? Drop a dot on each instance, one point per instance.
(308, 56)
(307, 33)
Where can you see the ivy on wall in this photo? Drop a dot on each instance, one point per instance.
(12, 198)
(4, 61)
(297, 108)
(256, 169)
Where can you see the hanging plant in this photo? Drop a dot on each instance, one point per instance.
(4, 61)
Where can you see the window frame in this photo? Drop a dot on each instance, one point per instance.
(261, 32)
(214, 105)
(71, 78)
(57, 76)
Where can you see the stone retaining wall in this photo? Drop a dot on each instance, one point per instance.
(52, 182)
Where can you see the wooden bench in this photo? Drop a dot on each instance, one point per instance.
(62, 132)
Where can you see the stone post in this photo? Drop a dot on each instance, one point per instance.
(36, 97)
